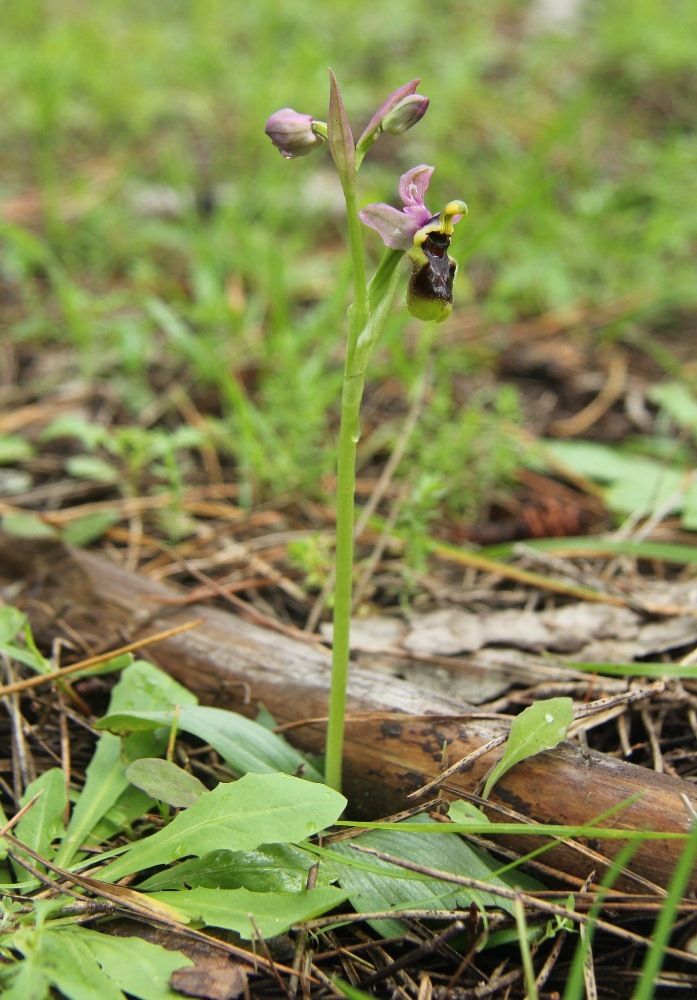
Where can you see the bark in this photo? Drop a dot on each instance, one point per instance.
(407, 737)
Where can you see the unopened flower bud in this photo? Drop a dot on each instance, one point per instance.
(293, 134)
(404, 115)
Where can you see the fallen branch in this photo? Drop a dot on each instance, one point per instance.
(398, 737)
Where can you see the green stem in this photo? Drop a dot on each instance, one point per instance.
(343, 587)
(360, 306)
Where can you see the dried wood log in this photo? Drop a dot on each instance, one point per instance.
(398, 737)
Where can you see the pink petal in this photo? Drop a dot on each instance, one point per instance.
(395, 228)
(414, 184)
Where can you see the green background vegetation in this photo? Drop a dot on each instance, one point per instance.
(575, 149)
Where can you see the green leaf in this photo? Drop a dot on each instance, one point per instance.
(270, 868)
(243, 744)
(253, 913)
(24, 980)
(678, 402)
(256, 809)
(140, 684)
(93, 468)
(373, 884)
(461, 811)
(341, 144)
(89, 528)
(541, 726)
(14, 448)
(164, 781)
(634, 483)
(138, 967)
(89, 434)
(43, 824)
(26, 525)
(69, 965)
(11, 622)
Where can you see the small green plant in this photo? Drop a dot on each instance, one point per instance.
(425, 239)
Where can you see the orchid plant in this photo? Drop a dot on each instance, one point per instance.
(424, 238)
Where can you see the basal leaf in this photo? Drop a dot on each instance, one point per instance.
(138, 967)
(243, 744)
(69, 965)
(269, 868)
(252, 913)
(140, 684)
(43, 824)
(164, 781)
(373, 884)
(256, 809)
(541, 726)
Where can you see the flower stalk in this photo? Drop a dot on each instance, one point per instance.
(411, 231)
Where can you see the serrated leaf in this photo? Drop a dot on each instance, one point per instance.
(24, 980)
(269, 868)
(164, 781)
(340, 137)
(69, 965)
(138, 967)
(541, 726)
(256, 809)
(243, 744)
(253, 913)
(43, 824)
(373, 884)
(141, 683)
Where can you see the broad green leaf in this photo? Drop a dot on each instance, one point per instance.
(634, 483)
(140, 684)
(88, 433)
(43, 824)
(541, 726)
(270, 868)
(678, 402)
(26, 525)
(11, 622)
(89, 528)
(138, 967)
(68, 963)
(24, 980)
(131, 805)
(461, 811)
(256, 809)
(14, 448)
(243, 744)
(253, 913)
(164, 781)
(373, 884)
(93, 468)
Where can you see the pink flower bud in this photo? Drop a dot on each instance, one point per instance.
(292, 133)
(404, 115)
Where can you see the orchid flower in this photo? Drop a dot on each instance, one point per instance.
(425, 238)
